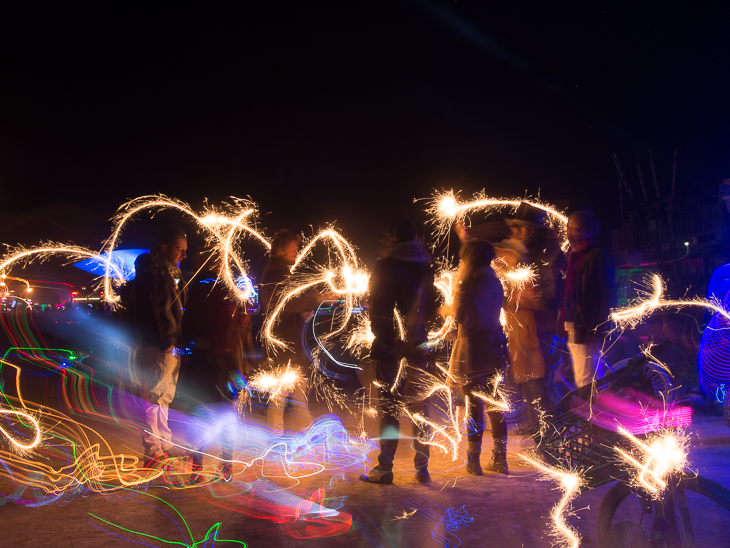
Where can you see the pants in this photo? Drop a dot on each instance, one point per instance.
(157, 373)
(211, 423)
(475, 412)
(390, 407)
(535, 396)
(585, 358)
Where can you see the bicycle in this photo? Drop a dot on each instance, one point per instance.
(627, 516)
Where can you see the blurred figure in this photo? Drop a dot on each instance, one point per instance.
(529, 309)
(158, 300)
(292, 319)
(590, 294)
(218, 327)
(402, 281)
(478, 356)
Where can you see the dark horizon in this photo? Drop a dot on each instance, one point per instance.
(346, 113)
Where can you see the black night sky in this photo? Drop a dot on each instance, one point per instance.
(346, 111)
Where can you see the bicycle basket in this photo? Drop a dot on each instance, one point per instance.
(577, 444)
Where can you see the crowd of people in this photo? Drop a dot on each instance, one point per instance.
(499, 333)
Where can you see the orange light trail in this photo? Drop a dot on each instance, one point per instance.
(571, 483)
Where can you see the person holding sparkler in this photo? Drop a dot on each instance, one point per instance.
(590, 294)
(158, 299)
(291, 321)
(478, 356)
(218, 327)
(401, 283)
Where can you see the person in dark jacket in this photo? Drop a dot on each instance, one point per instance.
(158, 304)
(402, 281)
(479, 352)
(218, 327)
(590, 294)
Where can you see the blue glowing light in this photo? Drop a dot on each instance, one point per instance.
(123, 259)
(714, 354)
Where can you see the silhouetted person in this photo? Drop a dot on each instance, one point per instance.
(478, 356)
(402, 281)
(218, 326)
(590, 294)
(290, 321)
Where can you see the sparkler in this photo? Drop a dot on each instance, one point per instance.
(343, 278)
(497, 400)
(571, 483)
(221, 229)
(514, 279)
(446, 209)
(655, 459)
(450, 433)
(635, 314)
(276, 382)
(18, 445)
(361, 336)
(20, 255)
(446, 284)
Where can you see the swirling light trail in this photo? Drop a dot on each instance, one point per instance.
(446, 209)
(635, 314)
(571, 483)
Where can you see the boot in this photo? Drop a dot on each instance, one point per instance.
(499, 457)
(474, 467)
(473, 451)
(377, 475)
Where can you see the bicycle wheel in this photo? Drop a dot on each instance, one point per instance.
(697, 515)
(560, 380)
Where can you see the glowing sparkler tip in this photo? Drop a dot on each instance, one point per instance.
(448, 206)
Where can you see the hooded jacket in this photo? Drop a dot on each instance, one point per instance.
(402, 280)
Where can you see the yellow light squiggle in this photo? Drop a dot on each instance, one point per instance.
(571, 483)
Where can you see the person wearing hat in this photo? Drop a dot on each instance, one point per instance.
(157, 303)
(402, 281)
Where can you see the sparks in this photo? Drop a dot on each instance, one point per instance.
(654, 459)
(446, 209)
(278, 382)
(571, 483)
(635, 314)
